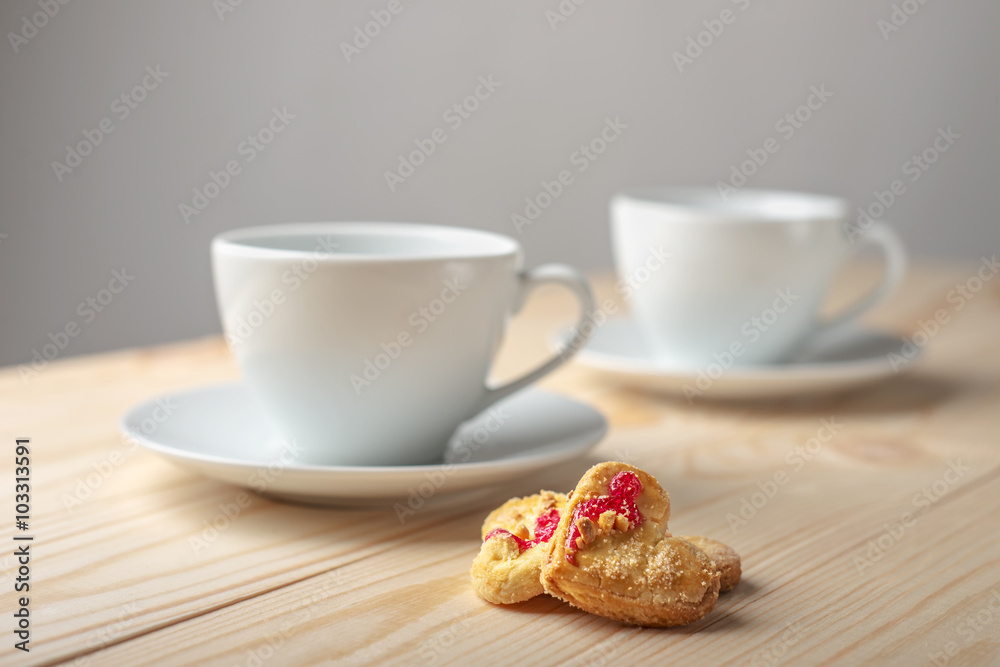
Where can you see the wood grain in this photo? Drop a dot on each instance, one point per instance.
(831, 573)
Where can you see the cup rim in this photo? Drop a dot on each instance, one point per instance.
(757, 205)
(475, 243)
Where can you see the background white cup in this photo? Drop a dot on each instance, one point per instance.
(369, 343)
(744, 275)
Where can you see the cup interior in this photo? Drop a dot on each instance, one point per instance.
(366, 241)
(742, 205)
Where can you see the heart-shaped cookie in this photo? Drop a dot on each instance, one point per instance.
(509, 563)
(723, 556)
(610, 554)
(518, 513)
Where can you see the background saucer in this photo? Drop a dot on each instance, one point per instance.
(856, 358)
(220, 432)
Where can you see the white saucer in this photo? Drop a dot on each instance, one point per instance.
(856, 358)
(220, 432)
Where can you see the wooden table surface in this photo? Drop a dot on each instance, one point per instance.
(880, 547)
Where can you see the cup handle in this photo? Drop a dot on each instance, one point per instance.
(570, 278)
(894, 255)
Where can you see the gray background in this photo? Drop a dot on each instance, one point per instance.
(119, 208)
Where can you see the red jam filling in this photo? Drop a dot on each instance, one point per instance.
(546, 524)
(623, 491)
(545, 527)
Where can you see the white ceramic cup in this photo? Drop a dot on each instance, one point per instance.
(739, 280)
(369, 343)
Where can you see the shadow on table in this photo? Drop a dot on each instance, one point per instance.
(898, 394)
(457, 520)
(721, 618)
